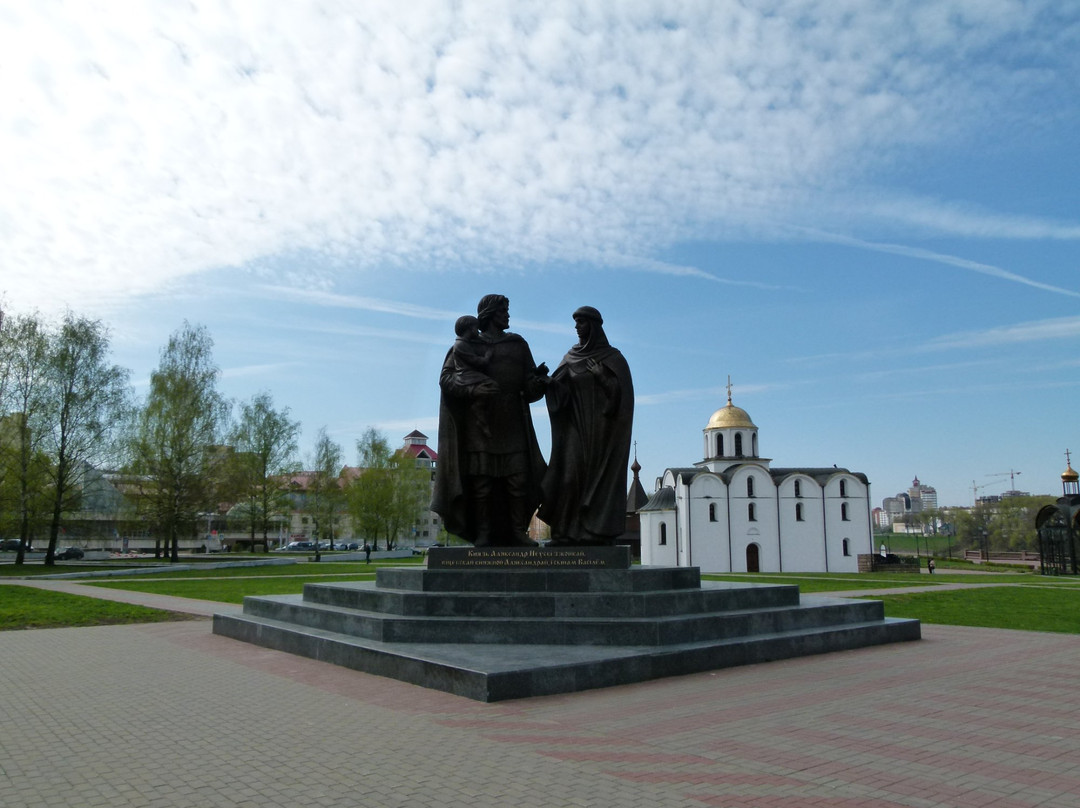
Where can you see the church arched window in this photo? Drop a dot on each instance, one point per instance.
(738, 444)
(753, 444)
(843, 512)
(663, 533)
(798, 488)
(798, 512)
(719, 445)
(847, 548)
(749, 486)
(751, 512)
(712, 511)
(843, 488)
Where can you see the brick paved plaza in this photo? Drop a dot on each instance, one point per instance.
(172, 715)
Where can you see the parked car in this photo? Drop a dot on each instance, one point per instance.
(301, 546)
(69, 554)
(9, 546)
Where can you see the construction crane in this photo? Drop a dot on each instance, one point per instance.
(1011, 474)
(976, 488)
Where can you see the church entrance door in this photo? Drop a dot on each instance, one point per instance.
(753, 563)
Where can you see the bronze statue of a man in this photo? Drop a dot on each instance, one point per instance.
(487, 481)
(591, 404)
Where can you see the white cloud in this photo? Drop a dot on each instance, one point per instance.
(410, 310)
(146, 143)
(955, 219)
(272, 369)
(322, 298)
(940, 258)
(1039, 330)
(1056, 328)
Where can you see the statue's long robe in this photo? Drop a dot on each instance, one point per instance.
(506, 443)
(584, 490)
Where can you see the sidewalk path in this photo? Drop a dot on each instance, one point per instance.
(905, 590)
(168, 714)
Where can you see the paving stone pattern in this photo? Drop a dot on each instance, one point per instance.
(172, 715)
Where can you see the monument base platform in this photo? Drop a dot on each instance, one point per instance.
(495, 633)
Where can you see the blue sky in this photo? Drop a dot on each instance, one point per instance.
(865, 212)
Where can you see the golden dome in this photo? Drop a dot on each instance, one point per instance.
(1069, 475)
(730, 416)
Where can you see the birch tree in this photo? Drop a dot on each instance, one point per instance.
(390, 493)
(324, 497)
(266, 442)
(177, 427)
(89, 399)
(24, 355)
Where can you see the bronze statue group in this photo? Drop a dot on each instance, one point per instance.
(491, 476)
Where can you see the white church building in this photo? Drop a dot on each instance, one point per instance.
(733, 512)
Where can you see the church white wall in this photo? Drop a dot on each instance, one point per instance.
(763, 530)
(802, 543)
(855, 528)
(709, 524)
(652, 552)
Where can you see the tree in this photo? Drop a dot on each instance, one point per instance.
(175, 431)
(390, 493)
(970, 525)
(265, 441)
(88, 401)
(1008, 524)
(324, 498)
(24, 355)
(1013, 523)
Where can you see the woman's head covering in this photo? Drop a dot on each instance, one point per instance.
(590, 313)
(596, 340)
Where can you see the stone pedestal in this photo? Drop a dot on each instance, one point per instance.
(514, 630)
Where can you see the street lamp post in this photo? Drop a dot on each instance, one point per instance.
(985, 545)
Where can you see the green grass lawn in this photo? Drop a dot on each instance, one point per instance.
(322, 569)
(826, 583)
(1001, 599)
(906, 543)
(1036, 608)
(228, 590)
(839, 581)
(23, 607)
(158, 568)
(32, 569)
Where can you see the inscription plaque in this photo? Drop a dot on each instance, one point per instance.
(524, 558)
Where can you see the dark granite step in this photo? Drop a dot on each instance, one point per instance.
(713, 596)
(665, 630)
(498, 672)
(494, 634)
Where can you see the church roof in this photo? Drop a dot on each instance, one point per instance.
(662, 500)
(820, 475)
(636, 496)
(687, 474)
(730, 416)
